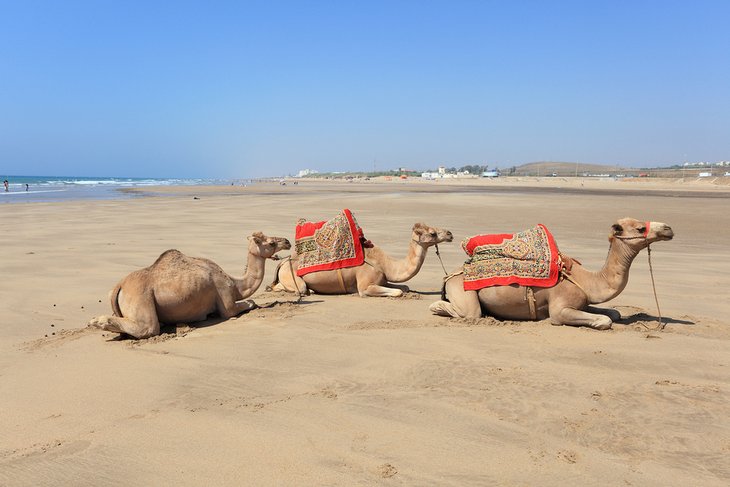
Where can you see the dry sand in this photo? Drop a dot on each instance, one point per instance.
(339, 390)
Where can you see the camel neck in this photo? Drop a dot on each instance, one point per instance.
(404, 269)
(608, 282)
(253, 275)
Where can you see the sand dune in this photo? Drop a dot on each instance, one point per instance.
(339, 390)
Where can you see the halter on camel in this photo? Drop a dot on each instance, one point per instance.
(661, 325)
(438, 254)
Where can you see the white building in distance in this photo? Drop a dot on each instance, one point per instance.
(306, 172)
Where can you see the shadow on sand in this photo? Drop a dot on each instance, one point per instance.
(168, 331)
(642, 318)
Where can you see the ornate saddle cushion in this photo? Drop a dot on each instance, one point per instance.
(328, 245)
(529, 258)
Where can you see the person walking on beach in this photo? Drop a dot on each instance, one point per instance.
(6, 185)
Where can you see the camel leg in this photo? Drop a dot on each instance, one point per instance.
(461, 304)
(289, 281)
(402, 287)
(576, 317)
(614, 314)
(279, 287)
(459, 308)
(137, 329)
(140, 320)
(228, 308)
(380, 291)
(237, 308)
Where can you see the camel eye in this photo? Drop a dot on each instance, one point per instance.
(433, 234)
(642, 229)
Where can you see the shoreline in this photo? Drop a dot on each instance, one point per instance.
(556, 186)
(664, 187)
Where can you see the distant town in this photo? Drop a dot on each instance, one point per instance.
(536, 169)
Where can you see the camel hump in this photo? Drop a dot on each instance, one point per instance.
(171, 254)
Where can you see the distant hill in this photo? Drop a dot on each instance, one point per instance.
(566, 169)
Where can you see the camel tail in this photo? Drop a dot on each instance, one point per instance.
(114, 297)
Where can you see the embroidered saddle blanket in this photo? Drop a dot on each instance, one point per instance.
(328, 245)
(529, 258)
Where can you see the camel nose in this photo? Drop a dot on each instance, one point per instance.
(286, 244)
(449, 236)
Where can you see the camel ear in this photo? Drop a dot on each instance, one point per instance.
(257, 237)
(419, 228)
(617, 229)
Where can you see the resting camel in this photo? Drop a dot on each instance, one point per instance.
(180, 289)
(568, 302)
(369, 279)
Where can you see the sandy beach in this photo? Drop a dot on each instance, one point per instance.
(343, 390)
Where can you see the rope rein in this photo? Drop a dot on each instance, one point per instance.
(661, 324)
(438, 254)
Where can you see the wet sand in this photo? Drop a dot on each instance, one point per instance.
(342, 390)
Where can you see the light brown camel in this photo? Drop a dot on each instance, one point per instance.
(369, 279)
(182, 289)
(566, 303)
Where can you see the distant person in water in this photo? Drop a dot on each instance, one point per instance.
(26, 186)
(6, 185)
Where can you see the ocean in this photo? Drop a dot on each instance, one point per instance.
(64, 188)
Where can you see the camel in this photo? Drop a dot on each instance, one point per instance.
(567, 302)
(369, 279)
(182, 289)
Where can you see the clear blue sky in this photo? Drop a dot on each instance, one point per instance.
(241, 89)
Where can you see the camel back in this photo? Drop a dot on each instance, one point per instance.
(529, 258)
(328, 245)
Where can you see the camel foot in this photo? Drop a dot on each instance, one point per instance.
(613, 314)
(602, 322)
(602, 325)
(124, 326)
(443, 308)
(104, 323)
(246, 305)
(279, 288)
(575, 317)
(380, 291)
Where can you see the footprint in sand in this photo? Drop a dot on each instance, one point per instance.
(387, 470)
(568, 456)
(56, 339)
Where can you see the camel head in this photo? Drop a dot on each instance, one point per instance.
(639, 234)
(428, 236)
(263, 246)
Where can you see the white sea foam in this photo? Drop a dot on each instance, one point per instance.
(54, 188)
(29, 192)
